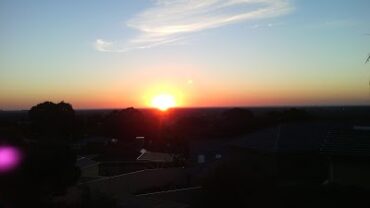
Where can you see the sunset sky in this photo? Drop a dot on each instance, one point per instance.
(116, 54)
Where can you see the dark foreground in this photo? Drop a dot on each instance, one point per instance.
(208, 157)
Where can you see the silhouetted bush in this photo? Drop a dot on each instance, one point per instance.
(236, 182)
(242, 184)
(192, 126)
(47, 170)
(50, 120)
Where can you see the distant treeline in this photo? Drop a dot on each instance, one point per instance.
(60, 121)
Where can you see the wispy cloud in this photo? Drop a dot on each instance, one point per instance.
(169, 21)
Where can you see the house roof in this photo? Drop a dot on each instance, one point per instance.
(354, 142)
(262, 140)
(155, 157)
(288, 137)
(83, 162)
(94, 139)
(305, 136)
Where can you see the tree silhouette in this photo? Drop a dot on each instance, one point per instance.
(127, 124)
(191, 126)
(47, 170)
(50, 120)
(294, 114)
(236, 121)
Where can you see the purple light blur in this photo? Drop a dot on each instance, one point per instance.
(10, 158)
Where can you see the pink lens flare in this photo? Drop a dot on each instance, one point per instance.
(10, 158)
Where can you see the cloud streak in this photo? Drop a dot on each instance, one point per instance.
(169, 21)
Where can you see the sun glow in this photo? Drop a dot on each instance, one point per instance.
(163, 102)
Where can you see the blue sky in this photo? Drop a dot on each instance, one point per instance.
(237, 52)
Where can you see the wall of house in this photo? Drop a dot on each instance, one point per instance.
(118, 168)
(352, 172)
(140, 180)
(184, 195)
(309, 167)
(90, 171)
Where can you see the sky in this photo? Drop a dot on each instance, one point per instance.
(206, 53)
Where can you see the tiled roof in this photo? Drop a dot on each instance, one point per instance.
(83, 162)
(155, 157)
(262, 140)
(288, 137)
(347, 142)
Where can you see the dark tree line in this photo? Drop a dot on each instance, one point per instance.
(233, 122)
(129, 123)
(59, 121)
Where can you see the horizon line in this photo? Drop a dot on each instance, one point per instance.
(217, 107)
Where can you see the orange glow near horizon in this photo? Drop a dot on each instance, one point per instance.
(163, 102)
(163, 96)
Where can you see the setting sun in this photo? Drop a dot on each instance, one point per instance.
(163, 102)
